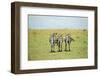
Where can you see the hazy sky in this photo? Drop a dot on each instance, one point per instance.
(57, 22)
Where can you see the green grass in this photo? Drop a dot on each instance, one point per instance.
(39, 46)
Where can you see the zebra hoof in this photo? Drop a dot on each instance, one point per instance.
(59, 51)
(52, 51)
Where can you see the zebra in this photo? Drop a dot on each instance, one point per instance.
(57, 39)
(60, 42)
(68, 39)
(53, 41)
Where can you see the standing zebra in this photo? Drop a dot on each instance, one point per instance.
(53, 41)
(60, 42)
(68, 39)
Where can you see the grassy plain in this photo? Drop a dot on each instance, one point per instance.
(39, 46)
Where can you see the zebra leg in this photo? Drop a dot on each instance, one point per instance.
(52, 48)
(65, 47)
(69, 46)
(58, 48)
(61, 47)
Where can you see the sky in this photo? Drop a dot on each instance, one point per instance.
(57, 22)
